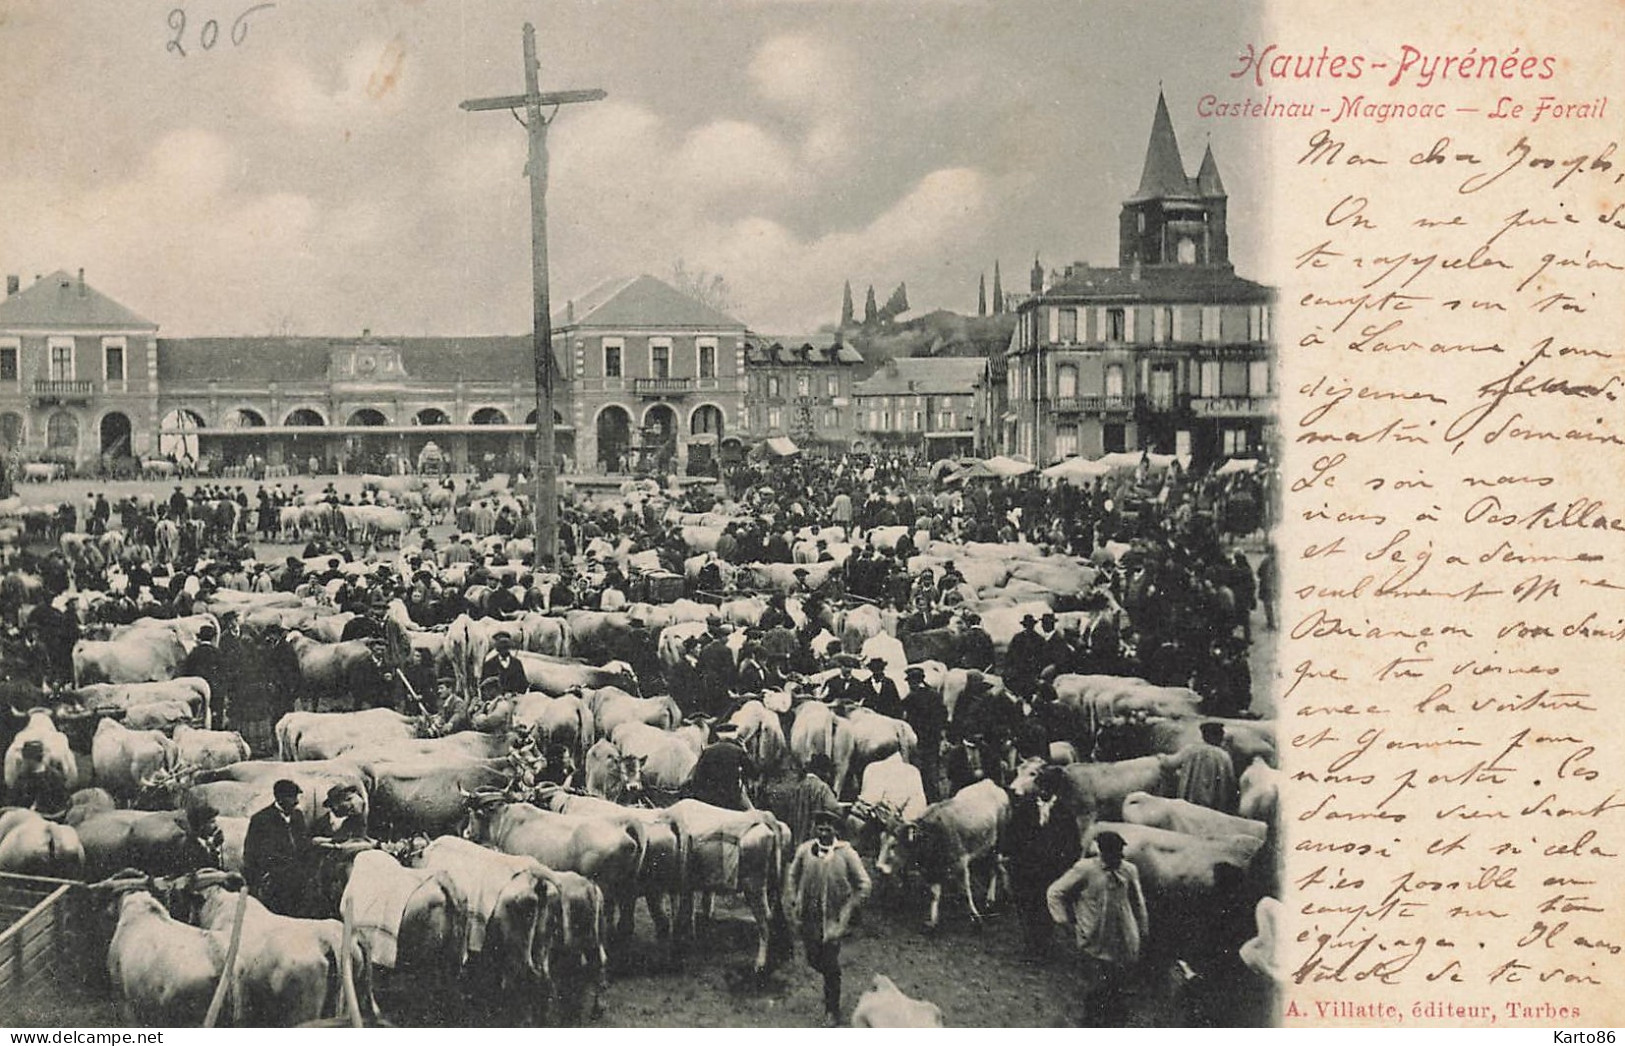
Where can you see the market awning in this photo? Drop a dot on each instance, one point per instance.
(1235, 465)
(1077, 470)
(782, 446)
(1005, 468)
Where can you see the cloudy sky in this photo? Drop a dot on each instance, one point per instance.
(318, 177)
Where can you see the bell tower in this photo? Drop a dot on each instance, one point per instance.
(1173, 219)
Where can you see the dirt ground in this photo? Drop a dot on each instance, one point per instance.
(980, 978)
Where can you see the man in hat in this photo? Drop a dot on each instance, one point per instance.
(1100, 899)
(204, 840)
(825, 886)
(1207, 774)
(346, 819)
(722, 771)
(38, 786)
(975, 645)
(501, 665)
(843, 687)
(717, 672)
(922, 708)
(206, 663)
(1059, 651)
(276, 851)
(1024, 657)
(879, 692)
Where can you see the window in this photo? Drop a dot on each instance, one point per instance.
(1116, 324)
(832, 418)
(1066, 381)
(775, 418)
(874, 419)
(885, 419)
(612, 357)
(1162, 324)
(803, 385)
(1210, 323)
(916, 420)
(832, 385)
(1179, 323)
(61, 357)
(113, 359)
(1187, 251)
(1233, 378)
(1235, 442)
(1114, 437)
(1258, 379)
(1114, 380)
(1066, 442)
(1162, 386)
(1208, 385)
(707, 363)
(8, 362)
(660, 359)
(773, 387)
(1069, 325)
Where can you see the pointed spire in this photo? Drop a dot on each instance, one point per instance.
(998, 291)
(1164, 173)
(981, 295)
(1208, 181)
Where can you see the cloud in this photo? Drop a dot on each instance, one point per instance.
(799, 73)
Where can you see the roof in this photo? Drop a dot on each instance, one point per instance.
(1182, 284)
(1207, 179)
(795, 350)
(642, 301)
(923, 375)
(1164, 172)
(504, 358)
(64, 301)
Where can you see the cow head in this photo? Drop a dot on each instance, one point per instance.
(479, 808)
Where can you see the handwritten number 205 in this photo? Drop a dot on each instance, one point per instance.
(209, 33)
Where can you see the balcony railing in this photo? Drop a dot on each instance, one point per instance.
(662, 386)
(1165, 403)
(1075, 404)
(57, 390)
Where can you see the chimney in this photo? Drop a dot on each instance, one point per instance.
(13, 285)
(81, 281)
(366, 332)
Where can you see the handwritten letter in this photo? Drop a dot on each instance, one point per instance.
(1452, 234)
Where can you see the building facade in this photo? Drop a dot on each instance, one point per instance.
(803, 388)
(925, 404)
(657, 378)
(645, 376)
(1169, 351)
(78, 372)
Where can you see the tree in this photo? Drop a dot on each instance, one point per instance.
(981, 295)
(870, 313)
(707, 288)
(846, 305)
(998, 292)
(896, 305)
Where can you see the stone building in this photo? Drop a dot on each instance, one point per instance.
(1168, 351)
(657, 377)
(78, 372)
(925, 404)
(802, 387)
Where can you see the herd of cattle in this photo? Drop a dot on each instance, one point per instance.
(534, 887)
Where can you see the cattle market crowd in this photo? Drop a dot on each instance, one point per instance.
(359, 733)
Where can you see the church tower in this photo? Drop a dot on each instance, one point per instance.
(1173, 219)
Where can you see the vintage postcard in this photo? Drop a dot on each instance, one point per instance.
(739, 513)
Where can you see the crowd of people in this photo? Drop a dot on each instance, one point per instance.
(1170, 599)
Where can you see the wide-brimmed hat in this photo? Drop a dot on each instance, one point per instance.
(875, 662)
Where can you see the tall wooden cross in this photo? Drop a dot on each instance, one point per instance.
(532, 102)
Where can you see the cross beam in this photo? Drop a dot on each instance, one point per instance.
(533, 101)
